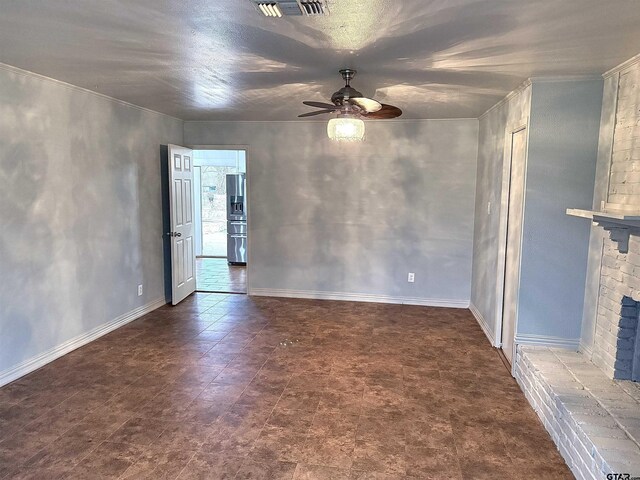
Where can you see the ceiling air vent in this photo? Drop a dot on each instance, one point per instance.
(269, 9)
(292, 8)
(314, 7)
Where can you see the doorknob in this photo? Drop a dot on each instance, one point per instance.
(174, 234)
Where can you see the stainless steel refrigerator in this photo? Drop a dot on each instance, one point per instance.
(236, 219)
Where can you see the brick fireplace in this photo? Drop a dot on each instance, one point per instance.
(615, 330)
(616, 346)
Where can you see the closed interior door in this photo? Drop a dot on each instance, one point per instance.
(514, 235)
(181, 212)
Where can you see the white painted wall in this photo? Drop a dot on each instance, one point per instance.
(351, 221)
(80, 204)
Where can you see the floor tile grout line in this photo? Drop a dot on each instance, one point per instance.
(74, 425)
(199, 448)
(247, 386)
(274, 406)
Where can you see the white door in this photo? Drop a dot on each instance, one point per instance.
(183, 259)
(514, 235)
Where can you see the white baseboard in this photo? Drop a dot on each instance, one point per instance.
(545, 341)
(483, 324)
(359, 297)
(42, 359)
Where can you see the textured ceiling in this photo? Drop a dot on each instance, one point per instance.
(221, 60)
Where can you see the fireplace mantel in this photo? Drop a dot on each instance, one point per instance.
(619, 223)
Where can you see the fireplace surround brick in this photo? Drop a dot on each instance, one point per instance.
(617, 315)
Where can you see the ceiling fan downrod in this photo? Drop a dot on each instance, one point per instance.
(347, 75)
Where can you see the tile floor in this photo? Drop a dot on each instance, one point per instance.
(228, 386)
(216, 275)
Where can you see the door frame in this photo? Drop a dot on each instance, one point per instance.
(244, 148)
(503, 230)
(197, 208)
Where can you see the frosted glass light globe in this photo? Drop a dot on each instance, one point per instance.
(346, 129)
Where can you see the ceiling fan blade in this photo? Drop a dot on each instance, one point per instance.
(326, 106)
(369, 105)
(317, 112)
(386, 112)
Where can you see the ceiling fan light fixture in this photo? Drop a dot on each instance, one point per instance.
(346, 129)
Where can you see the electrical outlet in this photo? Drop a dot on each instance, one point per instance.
(411, 278)
(139, 290)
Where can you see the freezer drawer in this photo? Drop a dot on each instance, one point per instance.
(236, 227)
(237, 248)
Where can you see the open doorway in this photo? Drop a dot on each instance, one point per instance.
(220, 220)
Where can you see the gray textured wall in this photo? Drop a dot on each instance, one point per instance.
(512, 113)
(357, 218)
(563, 144)
(80, 205)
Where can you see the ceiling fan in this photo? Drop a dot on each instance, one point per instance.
(351, 107)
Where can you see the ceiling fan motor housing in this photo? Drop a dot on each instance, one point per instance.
(344, 94)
